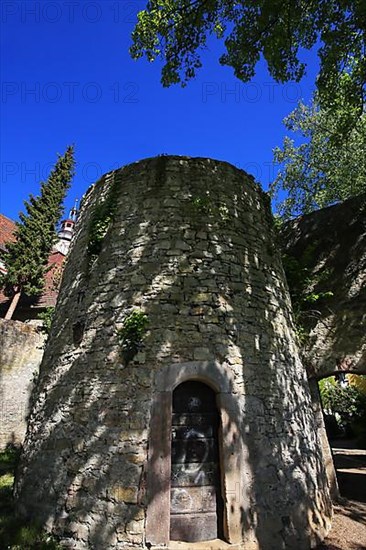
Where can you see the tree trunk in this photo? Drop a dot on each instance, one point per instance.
(13, 304)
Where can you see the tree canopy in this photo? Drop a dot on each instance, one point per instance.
(26, 258)
(319, 169)
(178, 30)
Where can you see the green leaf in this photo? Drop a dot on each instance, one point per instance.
(177, 31)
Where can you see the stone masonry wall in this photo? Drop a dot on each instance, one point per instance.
(331, 245)
(191, 244)
(21, 348)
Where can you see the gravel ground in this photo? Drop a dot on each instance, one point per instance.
(349, 524)
(349, 527)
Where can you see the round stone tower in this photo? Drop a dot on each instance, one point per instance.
(171, 403)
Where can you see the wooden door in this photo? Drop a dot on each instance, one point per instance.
(195, 509)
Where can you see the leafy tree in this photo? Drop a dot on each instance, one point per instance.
(321, 169)
(359, 381)
(26, 258)
(348, 402)
(176, 31)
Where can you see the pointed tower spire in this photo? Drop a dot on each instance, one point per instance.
(67, 230)
(74, 211)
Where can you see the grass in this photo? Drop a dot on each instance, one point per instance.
(15, 533)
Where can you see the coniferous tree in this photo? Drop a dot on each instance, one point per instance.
(26, 258)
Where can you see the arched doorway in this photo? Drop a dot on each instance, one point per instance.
(343, 401)
(196, 507)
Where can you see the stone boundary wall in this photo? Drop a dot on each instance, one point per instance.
(331, 244)
(21, 353)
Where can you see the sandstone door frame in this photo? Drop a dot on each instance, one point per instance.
(231, 452)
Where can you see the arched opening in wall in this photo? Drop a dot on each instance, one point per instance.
(343, 400)
(196, 506)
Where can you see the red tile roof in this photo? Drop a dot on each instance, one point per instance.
(7, 229)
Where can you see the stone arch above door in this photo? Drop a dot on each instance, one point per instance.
(214, 374)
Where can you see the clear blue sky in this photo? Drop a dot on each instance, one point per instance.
(67, 78)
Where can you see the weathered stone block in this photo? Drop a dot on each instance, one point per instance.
(123, 494)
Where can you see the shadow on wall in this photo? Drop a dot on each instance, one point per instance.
(83, 470)
(332, 243)
(21, 354)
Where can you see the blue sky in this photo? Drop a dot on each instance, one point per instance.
(67, 78)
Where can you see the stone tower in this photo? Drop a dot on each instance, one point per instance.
(171, 403)
(66, 231)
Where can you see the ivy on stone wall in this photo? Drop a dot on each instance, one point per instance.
(203, 206)
(101, 218)
(302, 283)
(131, 335)
(46, 316)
